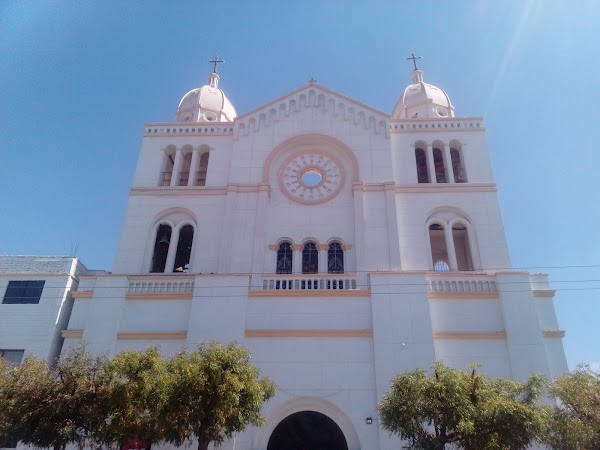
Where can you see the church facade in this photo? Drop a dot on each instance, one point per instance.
(340, 244)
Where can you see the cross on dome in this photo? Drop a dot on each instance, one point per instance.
(216, 62)
(414, 60)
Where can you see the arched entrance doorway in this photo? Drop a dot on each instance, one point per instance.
(307, 430)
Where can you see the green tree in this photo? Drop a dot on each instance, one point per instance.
(463, 409)
(47, 406)
(136, 393)
(214, 392)
(575, 421)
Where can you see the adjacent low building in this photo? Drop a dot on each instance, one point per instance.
(36, 304)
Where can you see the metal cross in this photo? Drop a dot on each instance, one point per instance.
(414, 60)
(216, 62)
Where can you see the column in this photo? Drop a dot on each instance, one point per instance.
(323, 253)
(450, 248)
(392, 225)
(360, 262)
(177, 167)
(431, 165)
(297, 258)
(226, 234)
(163, 167)
(260, 236)
(193, 176)
(172, 250)
(448, 164)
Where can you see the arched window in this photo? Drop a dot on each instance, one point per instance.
(439, 252)
(184, 249)
(335, 258)
(421, 159)
(161, 248)
(202, 170)
(167, 172)
(460, 236)
(458, 166)
(310, 258)
(438, 163)
(184, 175)
(284, 258)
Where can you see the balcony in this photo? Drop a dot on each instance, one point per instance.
(305, 284)
(461, 284)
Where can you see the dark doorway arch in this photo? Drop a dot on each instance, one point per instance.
(307, 430)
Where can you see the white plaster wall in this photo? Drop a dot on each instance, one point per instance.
(155, 316)
(468, 315)
(297, 313)
(492, 354)
(168, 347)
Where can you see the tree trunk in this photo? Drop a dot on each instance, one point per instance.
(203, 445)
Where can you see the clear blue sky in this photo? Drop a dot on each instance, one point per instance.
(78, 79)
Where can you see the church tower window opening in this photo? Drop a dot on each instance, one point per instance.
(284, 258)
(167, 172)
(438, 163)
(310, 258)
(458, 166)
(184, 249)
(161, 248)
(335, 258)
(422, 171)
(460, 238)
(439, 251)
(184, 175)
(202, 170)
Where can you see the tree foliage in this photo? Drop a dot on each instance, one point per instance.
(45, 406)
(576, 420)
(463, 409)
(207, 395)
(215, 392)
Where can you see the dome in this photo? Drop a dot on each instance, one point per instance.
(423, 101)
(206, 104)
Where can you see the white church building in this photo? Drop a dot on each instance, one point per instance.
(340, 244)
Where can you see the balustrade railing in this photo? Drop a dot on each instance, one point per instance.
(306, 282)
(460, 284)
(160, 286)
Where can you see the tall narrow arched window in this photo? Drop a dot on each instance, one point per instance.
(458, 166)
(184, 249)
(421, 159)
(161, 248)
(439, 252)
(184, 175)
(460, 236)
(335, 258)
(167, 173)
(310, 258)
(202, 170)
(438, 163)
(284, 258)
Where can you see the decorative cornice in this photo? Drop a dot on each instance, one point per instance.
(275, 248)
(82, 294)
(323, 247)
(270, 333)
(553, 333)
(152, 335)
(469, 335)
(544, 293)
(346, 247)
(317, 97)
(297, 247)
(425, 188)
(178, 129)
(71, 334)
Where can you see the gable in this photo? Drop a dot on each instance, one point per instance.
(318, 97)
